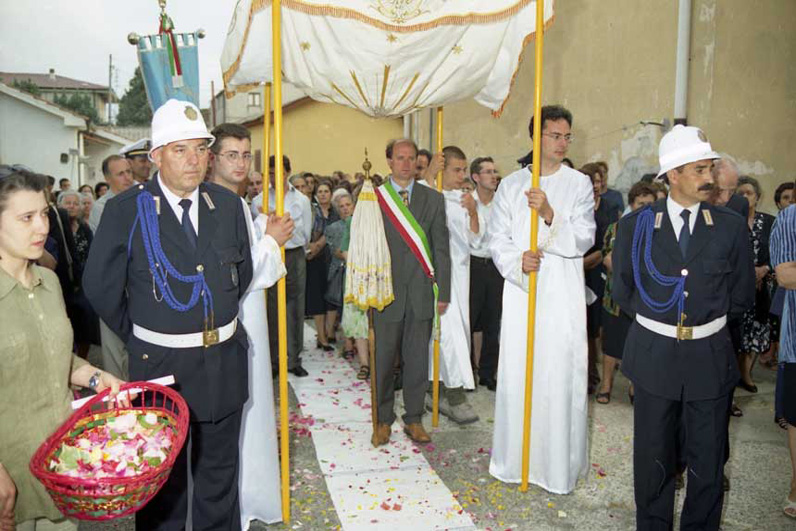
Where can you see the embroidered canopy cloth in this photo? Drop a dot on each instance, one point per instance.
(385, 58)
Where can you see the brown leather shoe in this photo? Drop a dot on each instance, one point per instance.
(417, 433)
(381, 435)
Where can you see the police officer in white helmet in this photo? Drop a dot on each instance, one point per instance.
(167, 268)
(682, 268)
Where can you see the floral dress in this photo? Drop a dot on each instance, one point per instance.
(756, 324)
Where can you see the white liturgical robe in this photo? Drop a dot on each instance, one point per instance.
(259, 460)
(558, 449)
(454, 348)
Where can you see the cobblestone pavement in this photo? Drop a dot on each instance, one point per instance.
(759, 470)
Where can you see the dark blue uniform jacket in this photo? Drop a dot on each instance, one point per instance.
(121, 289)
(720, 281)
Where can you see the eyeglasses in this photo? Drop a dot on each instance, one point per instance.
(234, 156)
(558, 136)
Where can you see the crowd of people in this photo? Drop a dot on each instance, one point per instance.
(595, 277)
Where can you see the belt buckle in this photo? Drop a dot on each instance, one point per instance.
(210, 337)
(210, 334)
(685, 333)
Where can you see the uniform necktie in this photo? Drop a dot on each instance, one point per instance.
(187, 226)
(405, 196)
(685, 232)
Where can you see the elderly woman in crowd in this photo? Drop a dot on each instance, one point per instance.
(756, 326)
(37, 365)
(318, 257)
(615, 322)
(87, 202)
(354, 321)
(84, 321)
(604, 215)
(86, 189)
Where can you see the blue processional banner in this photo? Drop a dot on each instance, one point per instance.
(161, 79)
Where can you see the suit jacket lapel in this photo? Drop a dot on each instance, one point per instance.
(417, 201)
(664, 237)
(207, 223)
(701, 236)
(170, 226)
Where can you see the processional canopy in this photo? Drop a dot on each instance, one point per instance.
(386, 58)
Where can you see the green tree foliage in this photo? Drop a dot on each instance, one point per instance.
(28, 86)
(80, 103)
(134, 107)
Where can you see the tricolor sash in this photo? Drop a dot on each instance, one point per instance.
(407, 226)
(411, 232)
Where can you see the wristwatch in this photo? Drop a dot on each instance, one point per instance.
(93, 382)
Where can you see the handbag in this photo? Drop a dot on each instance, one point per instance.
(334, 285)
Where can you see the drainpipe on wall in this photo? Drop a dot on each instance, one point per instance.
(681, 65)
(81, 157)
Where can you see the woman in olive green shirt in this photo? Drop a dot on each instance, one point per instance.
(36, 361)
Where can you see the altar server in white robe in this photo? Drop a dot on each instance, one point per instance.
(259, 485)
(565, 203)
(464, 229)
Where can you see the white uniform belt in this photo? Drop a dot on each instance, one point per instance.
(685, 332)
(183, 340)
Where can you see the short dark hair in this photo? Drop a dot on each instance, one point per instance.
(568, 162)
(592, 169)
(425, 153)
(552, 113)
(285, 163)
(639, 189)
(106, 170)
(228, 130)
(751, 181)
(324, 181)
(782, 188)
(50, 180)
(453, 152)
(64, 180)
(99, 186)
(397, 142)
(475, 166)
(14, 180)
(648, 177)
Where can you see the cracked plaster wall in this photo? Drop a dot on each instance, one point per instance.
(612, 64)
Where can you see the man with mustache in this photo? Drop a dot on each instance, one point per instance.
(170, 261)
(683, 268)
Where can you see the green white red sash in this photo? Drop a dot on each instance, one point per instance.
(412, 234)
(407, 226)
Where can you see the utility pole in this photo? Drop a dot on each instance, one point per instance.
(110, 83)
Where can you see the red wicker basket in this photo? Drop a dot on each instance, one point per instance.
(108, 498)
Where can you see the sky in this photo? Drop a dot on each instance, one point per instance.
(75, 37)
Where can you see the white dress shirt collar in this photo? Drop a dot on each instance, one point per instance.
(675, 209)
(174, 201)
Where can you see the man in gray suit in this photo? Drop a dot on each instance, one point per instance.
(404, 327)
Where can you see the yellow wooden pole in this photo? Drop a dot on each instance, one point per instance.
(435, 385)
(279, 186)
(537, 147)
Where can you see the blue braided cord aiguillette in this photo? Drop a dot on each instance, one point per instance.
(643, 232)
(160, 266)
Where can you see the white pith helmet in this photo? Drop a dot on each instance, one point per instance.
(681, 145)
(177, 120)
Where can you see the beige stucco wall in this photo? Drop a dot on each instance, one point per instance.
(612, 64)
(324, 137)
